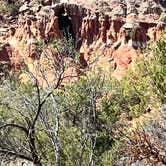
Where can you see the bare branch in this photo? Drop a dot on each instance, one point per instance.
(15, 126)
(18, 155)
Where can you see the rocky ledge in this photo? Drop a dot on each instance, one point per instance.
(112, 30)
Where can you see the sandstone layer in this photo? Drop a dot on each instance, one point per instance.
(106, 33)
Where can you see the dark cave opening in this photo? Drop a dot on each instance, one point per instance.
(65, 25)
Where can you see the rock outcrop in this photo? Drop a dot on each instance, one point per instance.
(113, 29)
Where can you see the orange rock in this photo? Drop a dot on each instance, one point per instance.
(122, 58)
(98, 35)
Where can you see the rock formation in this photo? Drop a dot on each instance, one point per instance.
(111, 29)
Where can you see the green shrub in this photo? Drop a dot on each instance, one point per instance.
(157, 69)
(141, 88)
(11, 9)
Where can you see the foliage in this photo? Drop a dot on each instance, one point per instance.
(34, 113)
(158, 69)
(110, 157)
(12, 8)
(163, 17)
(140, 91)
(141, 88)
(75, 123)
(130, 96)
(82, 99)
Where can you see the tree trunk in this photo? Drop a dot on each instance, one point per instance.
(57, 141)
(57, 138)
(36, 159)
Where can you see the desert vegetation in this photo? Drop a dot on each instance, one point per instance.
(82, 122)
(10, 7)
(82, 83)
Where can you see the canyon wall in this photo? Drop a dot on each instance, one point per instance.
(107, 33)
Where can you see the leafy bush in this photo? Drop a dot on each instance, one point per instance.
(157, 69)
(11, 9)
(130, 96)
(142, 87)
(163, 17)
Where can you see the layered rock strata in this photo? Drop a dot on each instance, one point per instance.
(111, 30)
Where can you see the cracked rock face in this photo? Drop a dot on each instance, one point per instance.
(98, 27)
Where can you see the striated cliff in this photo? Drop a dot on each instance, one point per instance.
(110, 31)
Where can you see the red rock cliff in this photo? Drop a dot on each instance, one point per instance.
(107, 29)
